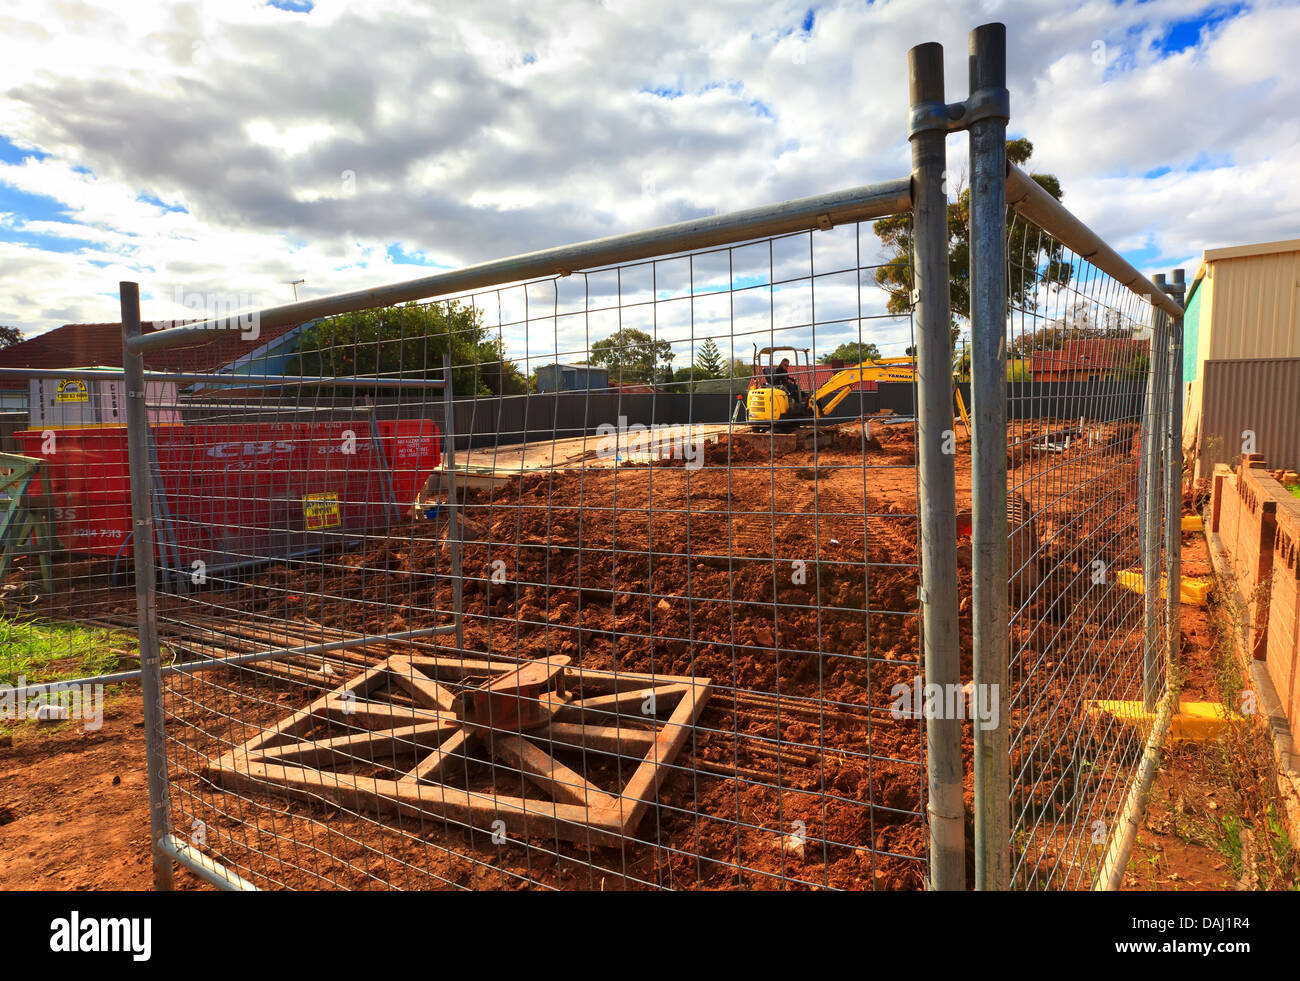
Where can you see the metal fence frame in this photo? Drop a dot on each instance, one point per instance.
(994, 185)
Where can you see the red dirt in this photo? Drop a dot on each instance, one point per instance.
(1198, 674)
(671, 570)
(74, 806)
(698, 570)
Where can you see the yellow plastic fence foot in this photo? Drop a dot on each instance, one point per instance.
(1193, 522)
(1194, 722)
(1192, 590)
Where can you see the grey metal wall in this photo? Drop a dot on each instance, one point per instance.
(1261, 395)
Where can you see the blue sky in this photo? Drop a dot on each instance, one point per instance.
(184, 145)
(1179, 35)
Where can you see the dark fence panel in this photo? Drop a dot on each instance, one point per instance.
(489, 421)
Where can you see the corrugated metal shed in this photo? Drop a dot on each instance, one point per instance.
(1244, 303)
(1259, 396)
(1254, 312)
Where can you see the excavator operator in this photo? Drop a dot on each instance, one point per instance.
(781, 377)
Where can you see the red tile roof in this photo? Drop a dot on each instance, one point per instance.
(100, 345)
(1091, 356)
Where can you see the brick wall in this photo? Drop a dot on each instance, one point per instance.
(1245, 507)
(1258, 522)
(1283, 644)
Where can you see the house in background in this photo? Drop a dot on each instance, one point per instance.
(91, 345)
(1241, 356)
(1087, 358)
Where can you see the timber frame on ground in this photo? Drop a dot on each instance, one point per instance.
(600, 712)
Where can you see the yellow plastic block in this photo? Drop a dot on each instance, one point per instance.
(1195, 722)
(1192, 590)
(1193, 522)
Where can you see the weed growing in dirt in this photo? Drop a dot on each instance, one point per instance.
(1229, 843)
(1250, 833)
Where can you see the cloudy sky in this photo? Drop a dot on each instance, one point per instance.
(236, 146)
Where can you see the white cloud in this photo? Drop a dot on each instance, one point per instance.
(303, 146)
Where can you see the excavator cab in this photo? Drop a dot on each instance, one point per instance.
(775, 393)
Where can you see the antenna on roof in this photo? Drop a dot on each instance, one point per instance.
(294, 283)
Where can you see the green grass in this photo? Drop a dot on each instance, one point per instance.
(1294, 489)
(41, 651)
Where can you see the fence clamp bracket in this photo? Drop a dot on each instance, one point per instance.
(950, 118)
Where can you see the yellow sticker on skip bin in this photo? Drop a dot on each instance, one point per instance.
(72, 390)
(321, 510)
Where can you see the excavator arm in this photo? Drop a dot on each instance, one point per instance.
(838, 386)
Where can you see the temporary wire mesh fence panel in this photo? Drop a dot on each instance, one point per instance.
(686, 653)
(1075, 495)
(65, 519)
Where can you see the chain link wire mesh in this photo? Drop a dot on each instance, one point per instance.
(1080, 422)
(65, 516)
(589, 625)
(725, 612)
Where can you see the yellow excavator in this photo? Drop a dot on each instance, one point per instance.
(776, 399)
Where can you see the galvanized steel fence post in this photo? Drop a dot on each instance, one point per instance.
(137, 418)
(455, 534)
(989, 573)
(1153, 502)
(936, 448)
(1174, 474)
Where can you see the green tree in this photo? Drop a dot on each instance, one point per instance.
(852, 352)
(632, 356)
(9, 336)
(410, 341)
(708, 361)
(1034, 259)
(684, 379)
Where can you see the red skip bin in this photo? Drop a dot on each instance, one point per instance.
(231, 494)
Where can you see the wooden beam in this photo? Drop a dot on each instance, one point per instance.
(372, 746)
(607, 708)
(380, 714)
(430, 768)
(458, 667)
(423, 689)
(635, 797)
(606, 739)
(289, 728)
(538, 766)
